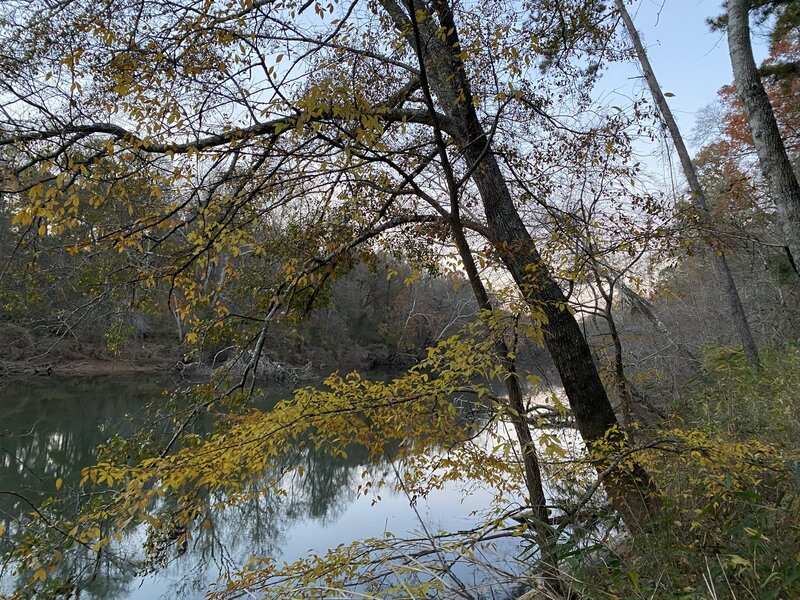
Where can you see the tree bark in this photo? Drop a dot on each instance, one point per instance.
(698, 195)
(781, 178)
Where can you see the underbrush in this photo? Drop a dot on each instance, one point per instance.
(729, 479)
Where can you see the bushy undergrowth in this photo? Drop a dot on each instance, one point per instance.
(738, 402)
(729, 477)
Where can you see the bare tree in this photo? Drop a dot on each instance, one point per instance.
(698, 196)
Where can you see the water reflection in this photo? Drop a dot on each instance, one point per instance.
(51, 427)
(50, 432)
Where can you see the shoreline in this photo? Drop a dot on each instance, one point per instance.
(86, 367)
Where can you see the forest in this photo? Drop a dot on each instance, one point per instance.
(428, 220)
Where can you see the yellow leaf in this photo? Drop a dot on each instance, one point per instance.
(735, 559)
(59, 483)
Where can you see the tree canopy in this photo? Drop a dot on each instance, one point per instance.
(235, 159)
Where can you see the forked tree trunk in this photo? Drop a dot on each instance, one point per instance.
(781, 178)
(623, 386)
(698, 195)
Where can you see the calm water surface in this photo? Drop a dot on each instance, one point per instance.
(51, 427)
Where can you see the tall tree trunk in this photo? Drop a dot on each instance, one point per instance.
(781, 178)
(630, 490)
(516, 399)
(698, 195)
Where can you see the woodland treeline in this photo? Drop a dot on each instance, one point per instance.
(65, 308)
(428, 183)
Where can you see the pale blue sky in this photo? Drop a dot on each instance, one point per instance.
(689, 60)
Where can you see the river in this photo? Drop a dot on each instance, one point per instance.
(51, 427)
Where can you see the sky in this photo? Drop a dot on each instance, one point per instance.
(689, 60)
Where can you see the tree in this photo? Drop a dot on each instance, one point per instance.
(781, 178)
(783, 97)
(698, 196)
(785, 18)
(443, 74)
(356, 126)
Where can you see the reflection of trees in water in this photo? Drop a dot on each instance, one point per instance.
(322, 491)
(231, 530)
(51, 432)
(105, 575)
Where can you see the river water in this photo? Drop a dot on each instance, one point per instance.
(51, 427)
